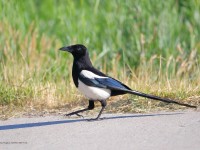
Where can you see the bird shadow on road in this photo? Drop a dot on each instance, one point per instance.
(47, 123)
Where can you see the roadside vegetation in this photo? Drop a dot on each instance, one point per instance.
(152, 46)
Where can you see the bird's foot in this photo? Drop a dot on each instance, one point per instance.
(80, 115)
(95, 119)
(70, 114)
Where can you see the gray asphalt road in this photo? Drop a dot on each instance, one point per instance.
(166, 131)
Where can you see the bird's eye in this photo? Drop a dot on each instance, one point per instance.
(79, 49)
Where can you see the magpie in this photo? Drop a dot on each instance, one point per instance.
(97, 86)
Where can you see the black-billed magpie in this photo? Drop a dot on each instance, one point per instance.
(95, 85)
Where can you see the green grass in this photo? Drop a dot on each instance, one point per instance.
(155, 44)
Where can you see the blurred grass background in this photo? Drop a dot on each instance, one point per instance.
(151, 45)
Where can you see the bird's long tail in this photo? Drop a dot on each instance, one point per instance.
(159, 98)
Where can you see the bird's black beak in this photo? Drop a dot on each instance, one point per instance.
(66, 48)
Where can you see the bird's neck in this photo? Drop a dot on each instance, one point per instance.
(82, 62)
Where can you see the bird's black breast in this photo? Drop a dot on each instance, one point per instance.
(80, 64)
(75, 73)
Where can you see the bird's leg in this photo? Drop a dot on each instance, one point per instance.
(103, 104)
(76, 112)
(90, 107)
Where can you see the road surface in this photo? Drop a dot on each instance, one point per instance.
(156, 131)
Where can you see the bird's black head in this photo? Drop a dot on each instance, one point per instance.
(77, 50)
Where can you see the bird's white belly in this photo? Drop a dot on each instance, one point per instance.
(93, 93)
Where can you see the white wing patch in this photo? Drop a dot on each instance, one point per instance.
(93, 93)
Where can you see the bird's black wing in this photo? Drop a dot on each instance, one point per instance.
(112, 84)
